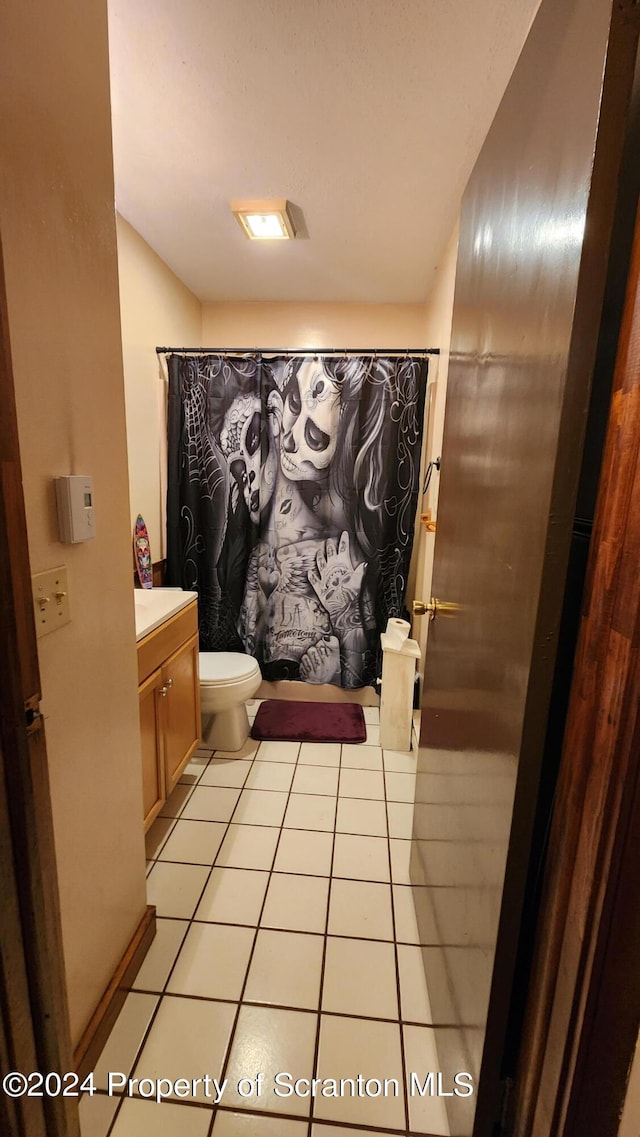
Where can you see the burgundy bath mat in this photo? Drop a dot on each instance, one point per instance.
(283, 721)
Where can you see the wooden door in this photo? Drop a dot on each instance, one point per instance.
(583, 1010)
(181, 705)
(532, 260)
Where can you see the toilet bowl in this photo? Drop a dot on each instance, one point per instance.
(227, 680)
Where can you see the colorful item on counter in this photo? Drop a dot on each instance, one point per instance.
(142, 552)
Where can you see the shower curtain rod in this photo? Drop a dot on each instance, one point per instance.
(297, 351)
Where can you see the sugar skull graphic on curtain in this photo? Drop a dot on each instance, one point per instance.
(292, 495)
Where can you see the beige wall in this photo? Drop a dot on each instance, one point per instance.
(156, 310)
(438, 333)
(58, 230)
(313, 325)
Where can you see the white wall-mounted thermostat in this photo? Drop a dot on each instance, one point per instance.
(76, 521)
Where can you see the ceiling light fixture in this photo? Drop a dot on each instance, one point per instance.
(264, 220)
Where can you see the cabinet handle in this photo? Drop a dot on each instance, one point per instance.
(163, 692)
(169, 684)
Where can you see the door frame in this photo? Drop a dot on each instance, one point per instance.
(583, 1010)
(34, 1034)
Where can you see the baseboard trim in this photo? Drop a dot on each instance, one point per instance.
(90, 1046)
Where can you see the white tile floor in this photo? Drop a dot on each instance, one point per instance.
(286, 942)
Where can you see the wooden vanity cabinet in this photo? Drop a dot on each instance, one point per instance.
(181, 705)
(169, 695)
(153, 781)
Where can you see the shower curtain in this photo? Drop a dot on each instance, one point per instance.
(292, 492)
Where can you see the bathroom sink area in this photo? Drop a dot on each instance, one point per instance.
(155, 605)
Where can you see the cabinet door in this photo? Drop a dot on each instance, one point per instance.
(182, 709)
(153, 785)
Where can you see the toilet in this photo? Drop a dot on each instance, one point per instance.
(227, 680)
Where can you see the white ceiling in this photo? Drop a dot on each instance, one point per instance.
(368, 115)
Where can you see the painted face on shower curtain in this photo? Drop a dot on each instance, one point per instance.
(270, 448)
(309, 424)
(240, 441)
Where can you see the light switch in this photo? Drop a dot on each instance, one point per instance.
(50, 600)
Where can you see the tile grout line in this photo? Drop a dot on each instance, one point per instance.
(273, 1115)
(403, 1062)
(273, 871)
(234, 1027)
(160, 994)
(300, 931)
(316, 1050)
(305, 1010)
(352, 1126)
(190, 921)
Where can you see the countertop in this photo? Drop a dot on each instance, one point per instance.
(155, 605)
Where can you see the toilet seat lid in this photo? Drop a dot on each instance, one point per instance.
(221, 666)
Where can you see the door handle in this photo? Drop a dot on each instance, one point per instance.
(420, 608)
(435, 606)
